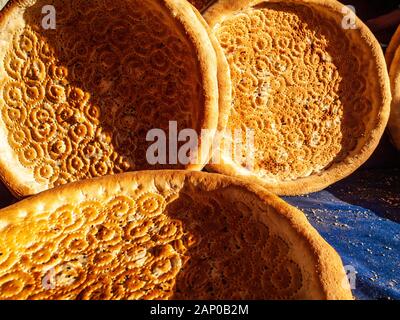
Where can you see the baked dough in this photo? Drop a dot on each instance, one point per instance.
(201, 4)
(394, 120)
(77, 102)
(392, 47)
(224, 80)
(316, 95)
(164, 235)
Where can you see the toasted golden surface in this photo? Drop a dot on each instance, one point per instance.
(77, 102)
(392, 47)
(316, 95)
(168, 235)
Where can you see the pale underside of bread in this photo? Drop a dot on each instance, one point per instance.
(394, 120)
(373, 71)
(118, 137)
(166, 234)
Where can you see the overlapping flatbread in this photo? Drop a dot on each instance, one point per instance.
(164, 235)
(311, 89)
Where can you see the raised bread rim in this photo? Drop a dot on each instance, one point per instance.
(316, 182)
(392, 47)
(328, 264)
(182, 12)
(394, 120)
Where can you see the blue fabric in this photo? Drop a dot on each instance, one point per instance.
(360, 218)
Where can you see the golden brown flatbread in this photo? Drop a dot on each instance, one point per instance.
(164, 235)
(394, 120)
(315, 94)
(78, 101)
(224, 81)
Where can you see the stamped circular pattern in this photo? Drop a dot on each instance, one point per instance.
(85, 94)
(315, 94)
(164, 235)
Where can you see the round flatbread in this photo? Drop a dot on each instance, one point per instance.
(164, 235)
(78, 101)
(224, 81)
(394, 120)
(310, 89)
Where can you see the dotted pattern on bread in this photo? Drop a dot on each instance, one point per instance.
(78, 101)
(177, 243)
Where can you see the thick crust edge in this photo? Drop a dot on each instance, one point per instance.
(316, 182)
(328, 264)
(183, 13)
